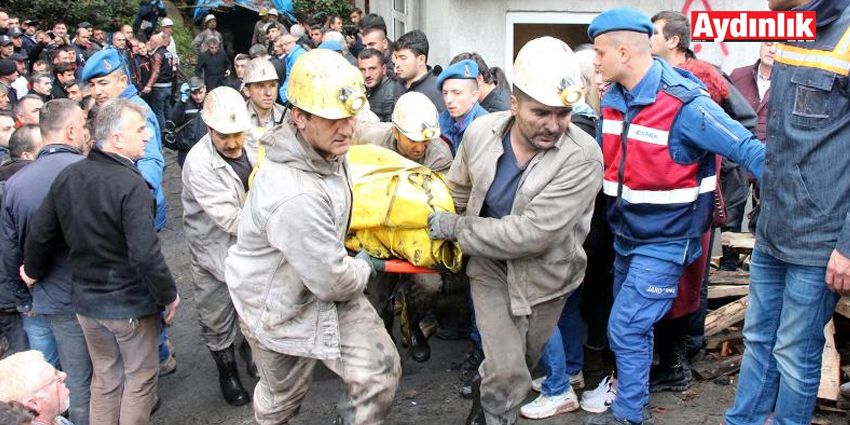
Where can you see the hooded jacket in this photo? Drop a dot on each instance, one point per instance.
(212, 198)
(289, 267)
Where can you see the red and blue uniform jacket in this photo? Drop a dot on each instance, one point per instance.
(659, 147)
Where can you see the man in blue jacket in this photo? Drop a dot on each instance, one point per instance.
(659, 132)
(801, 263)
(459, 86)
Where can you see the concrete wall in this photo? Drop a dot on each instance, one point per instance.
(455, 26)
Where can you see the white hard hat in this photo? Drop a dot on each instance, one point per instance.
(273, 12)
(208, 18)
(225, 111)
(167, 22)
(259, 69)
(547, 70)
(416, 117)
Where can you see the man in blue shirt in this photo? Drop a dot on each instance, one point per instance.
(523, 183)
(659, 132)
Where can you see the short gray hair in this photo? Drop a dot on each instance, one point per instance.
(111, 118)
(54, 115)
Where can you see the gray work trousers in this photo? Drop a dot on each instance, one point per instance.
(512, 344)
(125, 359)
(368, 365)
(216, 314)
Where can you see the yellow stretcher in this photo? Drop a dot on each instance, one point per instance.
(393, 197)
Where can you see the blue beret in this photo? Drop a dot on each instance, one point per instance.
(334, 45)
(464, 70)
(102, 63)
(620, 19)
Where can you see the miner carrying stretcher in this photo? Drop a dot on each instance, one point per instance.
(298, 293)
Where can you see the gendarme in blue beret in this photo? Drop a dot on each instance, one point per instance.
(620, 19)
(102, 64)
(463, 70)
(334, 45)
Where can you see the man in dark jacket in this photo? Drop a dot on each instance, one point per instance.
(411, 67)
(50, 320)
(213, 64)
(11, 326)
(186, 118)
(382, 91)
(121, 281)
(157, 89)
(23, 147)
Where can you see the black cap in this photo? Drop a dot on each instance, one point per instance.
(31, 22)
(7, 67)
(14, 32)
(20, 57)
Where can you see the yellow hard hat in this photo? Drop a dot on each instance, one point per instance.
(323, 83)
(258, 70)
(416, 117)
(547, 70)
(225, 111)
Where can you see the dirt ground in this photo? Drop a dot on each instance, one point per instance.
(428, 394)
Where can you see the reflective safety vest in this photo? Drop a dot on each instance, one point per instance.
(652, 197)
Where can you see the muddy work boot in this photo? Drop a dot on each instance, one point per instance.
(228, 378)
(476, 415)
(673, 372)
(248, 357)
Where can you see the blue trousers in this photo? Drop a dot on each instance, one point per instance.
(783, 342)
(644, 290)
(564, 353)
(41, 338)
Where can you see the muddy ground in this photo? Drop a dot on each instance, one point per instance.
(428, 394)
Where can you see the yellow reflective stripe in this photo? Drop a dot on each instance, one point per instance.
(843, 45)
(836, 60)
(821, 59)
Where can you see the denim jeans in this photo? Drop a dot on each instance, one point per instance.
(564, 353)
(783, 341)
(644, 290)
(162, 339)
(76, 362)
(41, 338)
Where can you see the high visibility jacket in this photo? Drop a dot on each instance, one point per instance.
(652, 197)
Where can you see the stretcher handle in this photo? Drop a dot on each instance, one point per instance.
(404, 267)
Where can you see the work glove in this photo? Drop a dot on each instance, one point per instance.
(375, 264)
(443, 226)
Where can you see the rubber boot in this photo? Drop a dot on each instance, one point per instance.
(228, 378)
(729, 260)
(476, 415)
(248, 357)
(673, 372)
(419, 348)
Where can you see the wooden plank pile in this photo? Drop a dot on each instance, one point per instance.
(724, 325)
